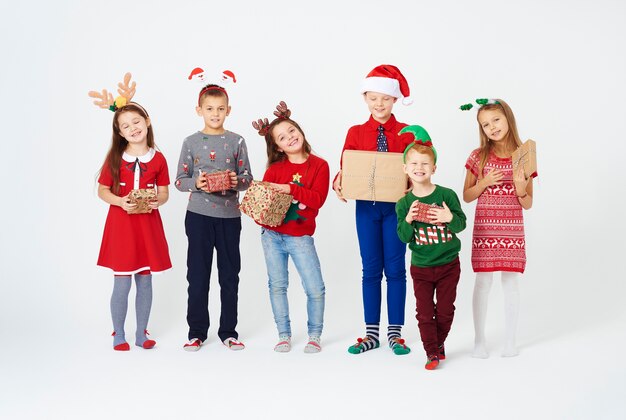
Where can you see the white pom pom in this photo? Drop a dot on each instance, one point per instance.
(407, 101)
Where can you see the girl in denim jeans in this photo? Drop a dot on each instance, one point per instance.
(292, 169)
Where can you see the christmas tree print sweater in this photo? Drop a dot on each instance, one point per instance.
(309, 183)
(431, 245)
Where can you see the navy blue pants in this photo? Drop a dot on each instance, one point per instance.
(205, 233)
(381, 252)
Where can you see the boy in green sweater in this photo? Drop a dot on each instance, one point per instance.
(429, 217)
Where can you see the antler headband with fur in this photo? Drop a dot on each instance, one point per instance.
(281, 113)
(126, 92)
(480, 102)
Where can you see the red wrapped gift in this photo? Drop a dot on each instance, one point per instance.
(217, 181)
(422, 213)
(264, 204)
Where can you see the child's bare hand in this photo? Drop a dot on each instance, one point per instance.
(443, 215)
(233, 180)
(283, 188)
(154, 204)
(125, 203)
(520, 181)
(493, 177)
(337, 188)
(410, 216)
(201, 182)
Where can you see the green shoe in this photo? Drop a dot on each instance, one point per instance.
(399, 347)
(363, 345)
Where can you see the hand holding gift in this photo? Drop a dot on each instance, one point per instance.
(440, 215)
(140, 201)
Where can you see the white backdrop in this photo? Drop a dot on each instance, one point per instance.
(560, 65)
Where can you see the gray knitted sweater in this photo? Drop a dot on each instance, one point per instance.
(211, 153)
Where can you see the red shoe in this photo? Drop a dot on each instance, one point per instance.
(193, 344)
(121, 347)
(432, 362)
(442, 352)
(148, 344)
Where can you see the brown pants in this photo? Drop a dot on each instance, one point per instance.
(435, 319)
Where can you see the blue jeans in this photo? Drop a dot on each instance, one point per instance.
(277, 248)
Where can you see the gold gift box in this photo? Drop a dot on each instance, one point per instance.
(264, 204)
(373, 176)
(142, 197)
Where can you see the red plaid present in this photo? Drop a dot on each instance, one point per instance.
(264, 204)
(217, 181)
(422, 213)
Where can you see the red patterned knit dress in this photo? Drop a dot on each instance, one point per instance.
(498, 242)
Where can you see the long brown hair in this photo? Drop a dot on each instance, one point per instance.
(113, 160)
(273, 155)
(512, 139)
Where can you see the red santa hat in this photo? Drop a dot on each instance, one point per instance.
(389, 80)
(228, 75)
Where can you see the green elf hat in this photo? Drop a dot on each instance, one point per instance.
(420, 136)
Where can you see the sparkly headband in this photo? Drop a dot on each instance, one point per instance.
(263, 125)
(480, 102)
(211, 87)
(126, 92)
(420, 136)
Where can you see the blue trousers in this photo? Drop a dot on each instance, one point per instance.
(381, 252)
(205, 233)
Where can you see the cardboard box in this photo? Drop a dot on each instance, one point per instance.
(526, 155)
(218, 181)
(142, 197)
(264, 204)
(373, 176)
(422, 213)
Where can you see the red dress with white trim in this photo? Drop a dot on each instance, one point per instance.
(498, 242)
(132, 243)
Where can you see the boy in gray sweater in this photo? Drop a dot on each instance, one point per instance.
(213, 219)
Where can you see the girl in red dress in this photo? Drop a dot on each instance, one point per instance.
(133, 243)
(498, 242)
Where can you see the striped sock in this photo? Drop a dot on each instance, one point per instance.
(393, 332)
(370, 342)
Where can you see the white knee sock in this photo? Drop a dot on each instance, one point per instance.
(482, 286)
(511, 312)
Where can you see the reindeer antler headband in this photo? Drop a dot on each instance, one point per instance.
(281, 113)
(480, 102)
(126, 92)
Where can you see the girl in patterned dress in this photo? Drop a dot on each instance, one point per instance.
(498, 242)
(133, 244)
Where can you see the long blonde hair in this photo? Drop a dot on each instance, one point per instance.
(512, 139)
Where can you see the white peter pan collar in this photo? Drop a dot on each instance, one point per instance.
(143, 159)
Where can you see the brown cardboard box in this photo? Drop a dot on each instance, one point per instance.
(265, 204)
(526, 155)
(373, 176)
(142, 197)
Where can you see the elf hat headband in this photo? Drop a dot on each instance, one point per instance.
(480, 102)
(389, 80)
(281, 113)
(420, 136)
(126, 92)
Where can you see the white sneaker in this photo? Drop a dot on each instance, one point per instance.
(193, 344)
(234, 344)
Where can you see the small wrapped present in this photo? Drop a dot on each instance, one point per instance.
(422, 213)
(142, 197)
(217, 181)
(264, 204)
(526, 155)
(373, 176)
